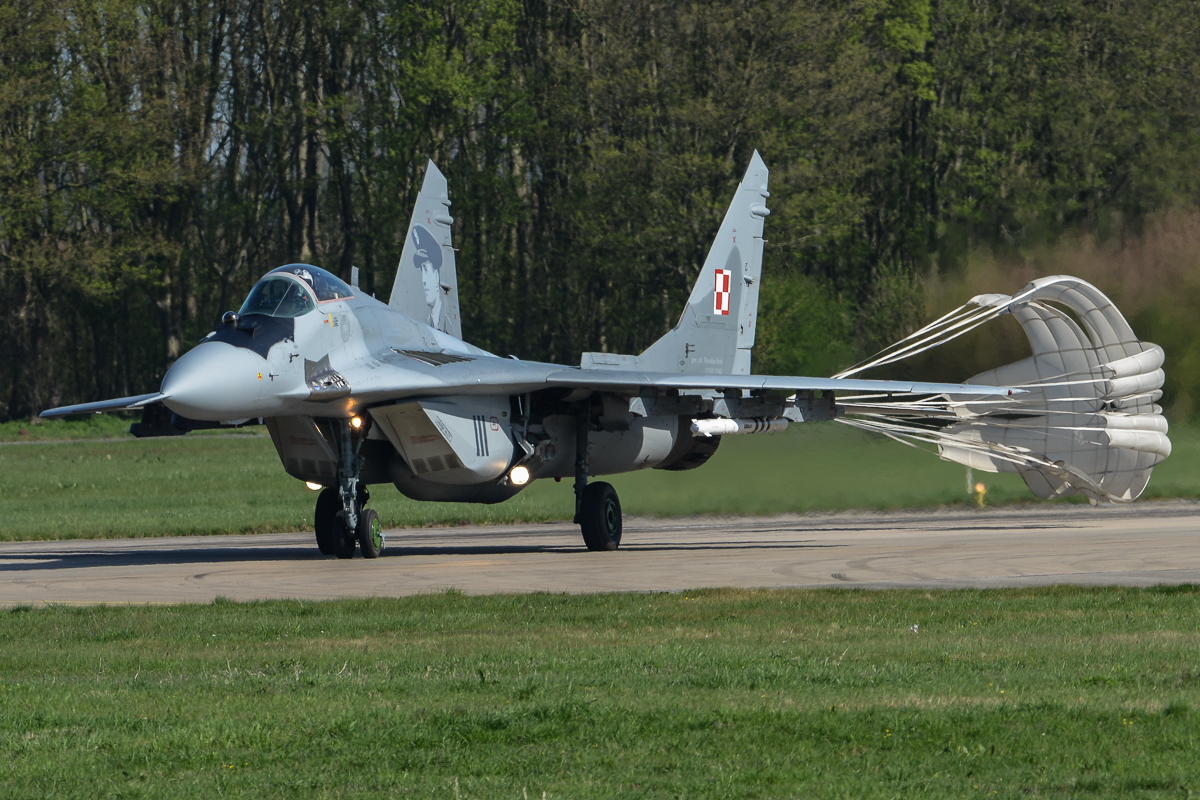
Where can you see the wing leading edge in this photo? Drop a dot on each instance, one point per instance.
(134, 403)
(616, 380)
(509, 376)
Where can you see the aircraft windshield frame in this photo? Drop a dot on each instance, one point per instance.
(272, 298)
(324, 284)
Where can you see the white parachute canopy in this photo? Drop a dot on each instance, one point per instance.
(1088, 421)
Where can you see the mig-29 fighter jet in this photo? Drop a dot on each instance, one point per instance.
(356, 392)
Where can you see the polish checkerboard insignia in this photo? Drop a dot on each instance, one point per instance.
(721, 293)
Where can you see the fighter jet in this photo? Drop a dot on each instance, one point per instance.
(357, 393)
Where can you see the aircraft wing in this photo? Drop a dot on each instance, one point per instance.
(117, 404)
(491, 375)
(625, 380)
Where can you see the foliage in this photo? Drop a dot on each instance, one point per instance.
(156, 158)
(1153, 277)
(805, 328)
(718, 693)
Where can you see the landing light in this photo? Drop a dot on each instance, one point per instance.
(316, 487)
(519, 476)
(356, 422)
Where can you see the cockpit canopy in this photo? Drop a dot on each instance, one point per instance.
(277, 296)
(325, 285)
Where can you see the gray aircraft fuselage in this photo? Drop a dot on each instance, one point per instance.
(356, 392)
(265, 366)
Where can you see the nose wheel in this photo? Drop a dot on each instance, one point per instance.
(341, 521)
(328, 524)
(334, 537)
(370, 534)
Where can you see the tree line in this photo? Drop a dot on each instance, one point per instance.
(157, 157)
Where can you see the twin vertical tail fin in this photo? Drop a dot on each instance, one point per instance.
(716, 331)
(426, 286)
(714, 335)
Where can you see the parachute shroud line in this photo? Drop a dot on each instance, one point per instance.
(1088, 421)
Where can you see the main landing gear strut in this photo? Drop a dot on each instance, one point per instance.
(341, 519)
(597, 508)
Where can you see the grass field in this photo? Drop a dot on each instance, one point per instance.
(233, 483)
(1063, 692)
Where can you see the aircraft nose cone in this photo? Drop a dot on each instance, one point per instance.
(215, 381)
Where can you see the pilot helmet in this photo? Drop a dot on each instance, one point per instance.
(427, 248)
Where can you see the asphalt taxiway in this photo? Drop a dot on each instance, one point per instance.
(1144, 544)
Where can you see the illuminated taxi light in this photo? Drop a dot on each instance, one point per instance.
(316, 487)
(519, 476)
(356, 422)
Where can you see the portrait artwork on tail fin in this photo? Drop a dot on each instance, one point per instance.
(428, 262)
(426, 286)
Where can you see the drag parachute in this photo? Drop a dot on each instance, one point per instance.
(1087, 421)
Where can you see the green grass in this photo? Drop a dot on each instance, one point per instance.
(1063, 692)
(235, 484)
(91, 426)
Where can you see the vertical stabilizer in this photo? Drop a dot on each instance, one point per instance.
(426, 286)
(716, 331)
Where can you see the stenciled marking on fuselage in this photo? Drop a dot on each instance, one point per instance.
(442, 427)
(426, 439)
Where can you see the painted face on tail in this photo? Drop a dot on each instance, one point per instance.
(428, 259)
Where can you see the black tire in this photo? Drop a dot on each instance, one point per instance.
(600, 517)
(327, 523)
(370, 533)
(346, 538)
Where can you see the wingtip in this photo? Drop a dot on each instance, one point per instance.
(117, 404)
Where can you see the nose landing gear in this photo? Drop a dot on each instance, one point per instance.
(341, 521)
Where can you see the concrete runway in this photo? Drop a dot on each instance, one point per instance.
(1149, 543)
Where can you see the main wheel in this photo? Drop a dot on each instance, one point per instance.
(600, 517)
(327, 522)
(370, 533)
